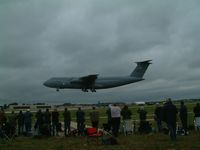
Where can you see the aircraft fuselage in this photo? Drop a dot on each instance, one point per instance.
(100, 83)
(93, 81)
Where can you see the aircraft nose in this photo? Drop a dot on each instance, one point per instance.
(46, 83)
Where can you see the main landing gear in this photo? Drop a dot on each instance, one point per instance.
(86, 90)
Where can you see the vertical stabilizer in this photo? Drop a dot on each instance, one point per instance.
(140, 69)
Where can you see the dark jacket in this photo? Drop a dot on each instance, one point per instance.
(47, 117)
(158, 113)
(55, 117)
(183, 112)
(67, 116)
(196, 111)
(20, 118)
(2, 117)
(28, 118)
(39, 117)
(12, 120)
(94, 116)
(169, 113)
(80, 116)
(108, 112)
(126, 113)
(142, 114)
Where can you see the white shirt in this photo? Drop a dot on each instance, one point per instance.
(115, 111)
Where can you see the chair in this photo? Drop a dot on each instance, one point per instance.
(145, 127)
(197, 123)
(106, 127)
(128, 127)
(179, 129)
(3, 132)
(93, 135)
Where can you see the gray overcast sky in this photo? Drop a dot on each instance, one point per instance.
(44, 38)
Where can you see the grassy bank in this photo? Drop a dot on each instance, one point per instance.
(130, 142)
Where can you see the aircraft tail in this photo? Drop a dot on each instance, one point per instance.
(140, 69)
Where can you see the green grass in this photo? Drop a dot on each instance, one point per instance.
(130, 142)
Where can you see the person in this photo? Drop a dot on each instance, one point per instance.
(183, 116)
(94, 117)
(126, 113)
(20, 122)
(67, 121)
(169, 116)
(142, 114)
(28, 121)
(115, 118)
(158, 116)
(39, 121)
(2, 117)
(55, 121)
(12, 124)
(127, 122)
(47, 123)
(144, 126)
(108, 126)
(80, 118)
(47, 117)
(196, 111)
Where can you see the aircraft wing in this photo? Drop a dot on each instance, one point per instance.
(86, 81)
(90, 79)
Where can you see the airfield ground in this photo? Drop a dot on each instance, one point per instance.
(154, 141)
(131, 142)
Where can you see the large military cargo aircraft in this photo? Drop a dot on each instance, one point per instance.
(94, 81)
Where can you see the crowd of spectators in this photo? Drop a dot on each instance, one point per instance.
(48, 123)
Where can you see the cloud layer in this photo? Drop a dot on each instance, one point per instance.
(42, 39)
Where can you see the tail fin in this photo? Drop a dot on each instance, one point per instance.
(140, 69)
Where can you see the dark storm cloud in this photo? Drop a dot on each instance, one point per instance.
(41, 39)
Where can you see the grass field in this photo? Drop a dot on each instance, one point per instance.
(130, 142)
(154, 141)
